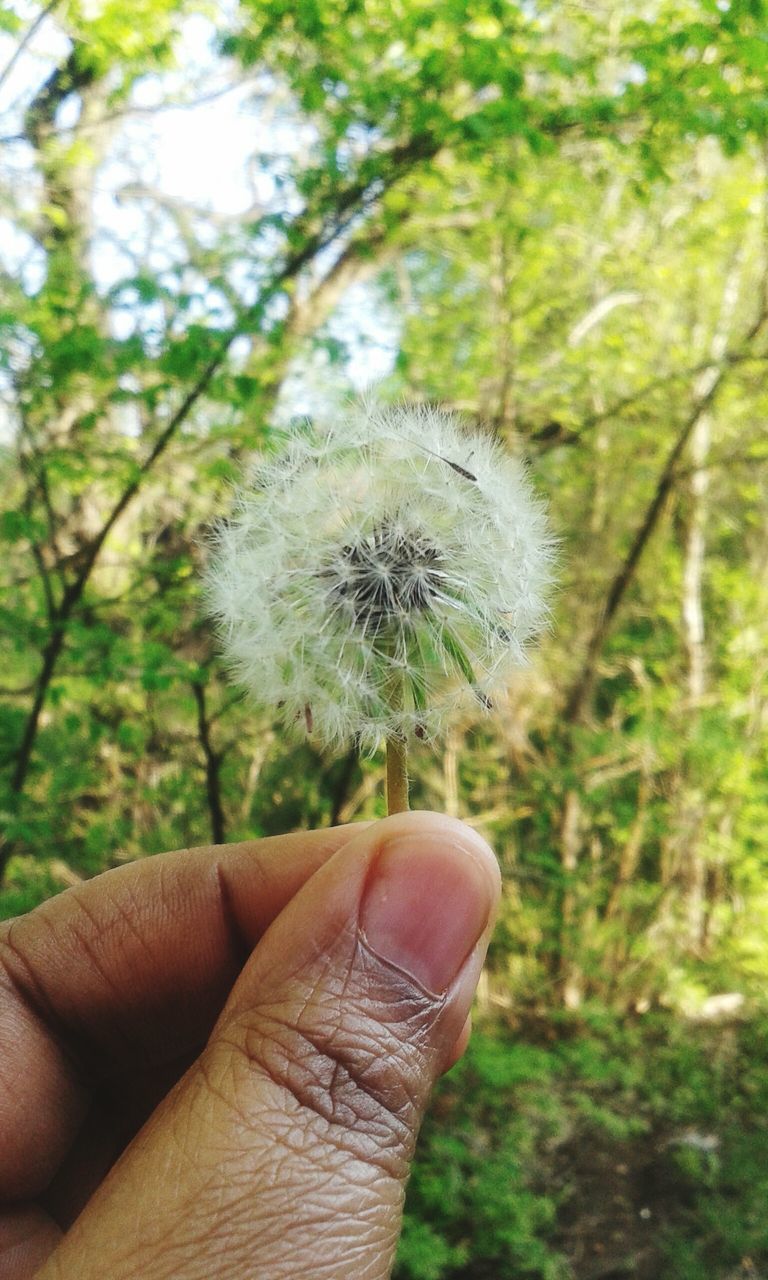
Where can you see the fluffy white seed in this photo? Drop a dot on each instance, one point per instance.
(378, 572)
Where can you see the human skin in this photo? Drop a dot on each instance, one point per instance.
(214, 1063)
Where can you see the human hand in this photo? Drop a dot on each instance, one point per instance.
(214, 1063)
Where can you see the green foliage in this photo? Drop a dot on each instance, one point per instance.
(28, 883)
(559, 213)
(503, 1182)
(470, 1196)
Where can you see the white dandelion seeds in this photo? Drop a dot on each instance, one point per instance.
(378, 572)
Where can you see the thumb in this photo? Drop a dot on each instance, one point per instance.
(285, 1150)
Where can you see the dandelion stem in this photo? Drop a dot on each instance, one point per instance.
(397, 774)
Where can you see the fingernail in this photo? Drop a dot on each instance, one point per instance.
(426, 904)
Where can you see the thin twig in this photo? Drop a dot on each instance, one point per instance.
(213, 760)
(24, 42)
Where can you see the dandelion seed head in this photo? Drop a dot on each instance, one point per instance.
(380, 571)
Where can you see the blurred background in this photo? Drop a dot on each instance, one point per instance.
(219, 217)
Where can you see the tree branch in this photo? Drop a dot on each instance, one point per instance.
(23, 44)
(312, 233)
(708, 384)
(213, 761)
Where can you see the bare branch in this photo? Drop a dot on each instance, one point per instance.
(24, 43)
(706, 387)
(623, 298)
(213, 761)
(312, 233)
(136, 109)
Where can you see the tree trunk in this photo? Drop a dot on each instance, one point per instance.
(570, 978)
(692, 870)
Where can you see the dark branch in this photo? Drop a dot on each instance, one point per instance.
(213, 761)
(312, 233)
(582, 687)
(343, 785)
(23, 44)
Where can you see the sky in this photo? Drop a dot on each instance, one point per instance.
(196, 154)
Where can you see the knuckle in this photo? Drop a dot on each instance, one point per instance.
(348, 1056)
(19, 971)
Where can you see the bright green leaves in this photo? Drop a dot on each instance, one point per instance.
(10, 20)
(706, 76)
(135, 40)
(81, 349)
(538, 199)
(18, 526)
(477, 80)
(349, 66)
(187, 356)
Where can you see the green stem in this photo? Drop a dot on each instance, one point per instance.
(397, 775)
(397, 745)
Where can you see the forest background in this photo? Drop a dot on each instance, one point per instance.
(219, 216)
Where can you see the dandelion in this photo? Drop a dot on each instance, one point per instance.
(377, 573)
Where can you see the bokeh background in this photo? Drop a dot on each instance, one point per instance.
(219, 217)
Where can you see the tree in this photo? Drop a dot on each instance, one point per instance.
(566, 218)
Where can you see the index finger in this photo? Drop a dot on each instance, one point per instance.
(126, 972)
